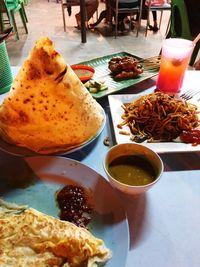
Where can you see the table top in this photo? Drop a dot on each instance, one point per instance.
(164, 221)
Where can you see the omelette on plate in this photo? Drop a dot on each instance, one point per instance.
(29, 238)
(48, 109)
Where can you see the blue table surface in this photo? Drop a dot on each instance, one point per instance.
(164, 222)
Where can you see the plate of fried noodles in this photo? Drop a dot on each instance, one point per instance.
(156, 120)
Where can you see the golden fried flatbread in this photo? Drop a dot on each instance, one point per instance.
(31, 238)
(48, 109)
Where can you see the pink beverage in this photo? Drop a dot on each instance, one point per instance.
(175, 58)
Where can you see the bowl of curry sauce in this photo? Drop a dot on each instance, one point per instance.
(132, 168)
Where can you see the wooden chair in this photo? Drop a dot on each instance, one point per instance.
(4, 16)
(57, 1)
(180, 27)
(67, 5)
(9, 9)
(161, 8)
(115, 10)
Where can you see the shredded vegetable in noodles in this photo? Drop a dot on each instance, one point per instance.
(159, 116)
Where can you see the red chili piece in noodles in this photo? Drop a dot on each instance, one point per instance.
(192, 137)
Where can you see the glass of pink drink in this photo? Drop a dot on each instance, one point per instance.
(175, 58)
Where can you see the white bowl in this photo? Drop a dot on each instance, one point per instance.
(137, 150)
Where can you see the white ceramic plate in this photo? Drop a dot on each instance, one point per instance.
(116, 102)
(34, 181)
(24, 152)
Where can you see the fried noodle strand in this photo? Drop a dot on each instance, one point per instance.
(159, 116)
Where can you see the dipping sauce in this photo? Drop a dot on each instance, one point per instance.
(132, 170)
(74, 206)
(84, 72)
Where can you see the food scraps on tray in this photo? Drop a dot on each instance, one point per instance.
(158, 117)
(48, 109)
(95, 86)
(125, 67)
(31, 238)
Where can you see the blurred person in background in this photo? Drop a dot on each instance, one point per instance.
(193, 11)
(193, 8)
(155, 3)
(154, 28)
(124, 4)
(91, 7)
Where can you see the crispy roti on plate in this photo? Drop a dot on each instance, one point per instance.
(31, 238)
(48, 109)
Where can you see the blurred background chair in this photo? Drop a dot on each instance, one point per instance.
(180, 26)
(68, 4)
(20, 3)
(57, 1)
(8, 10)
(4, 17)
(162, 7)
(114, 11)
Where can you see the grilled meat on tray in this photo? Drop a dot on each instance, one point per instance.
(125, 67)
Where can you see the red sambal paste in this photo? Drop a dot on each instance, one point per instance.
(191, 137)
(73, 203)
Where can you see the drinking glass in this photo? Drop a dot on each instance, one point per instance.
(5, 70)
(175, 58)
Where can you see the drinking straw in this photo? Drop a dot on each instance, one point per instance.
(196, 39)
